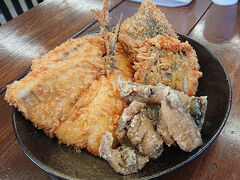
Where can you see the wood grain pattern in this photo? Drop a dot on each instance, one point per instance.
(40, 30)
(49, 24)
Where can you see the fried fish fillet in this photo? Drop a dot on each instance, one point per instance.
(72, 99)
(46, 95)
(87, 47)
(158, 56)
(96, 111)
(147, 23)
(168, 61)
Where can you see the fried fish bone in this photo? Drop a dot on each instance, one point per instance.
(178, 112)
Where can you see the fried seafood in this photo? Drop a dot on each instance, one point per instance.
(137, 128)
(180, 123)
(70, 94)
(74, 92)
(124, 159)
(46, 95)
(168, 61)
(158, 56)
(53, 95)
(147, 23)
(90, 47)
(181, 117)
(96, 111)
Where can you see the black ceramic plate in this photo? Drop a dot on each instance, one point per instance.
(65, 162)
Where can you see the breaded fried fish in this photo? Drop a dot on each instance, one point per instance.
(72, 98)
(158, 56)
(147, 23)
(46, 95)
(96, 111)
(168, 61)
(87, 47)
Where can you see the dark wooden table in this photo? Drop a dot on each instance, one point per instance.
(54, 21)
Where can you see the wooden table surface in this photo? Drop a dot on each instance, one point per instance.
(54, 21)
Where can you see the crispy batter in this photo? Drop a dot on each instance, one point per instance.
(181, 117)
(47, 93)
(157, 54)
(147, 23)
(89, 47)
(180, 123)
(122, 61)
(167, 60)
(96, 111)
(124, 159)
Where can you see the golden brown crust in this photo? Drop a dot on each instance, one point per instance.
(147, 23)
(87, 47)
(96, 111)
(166, 60)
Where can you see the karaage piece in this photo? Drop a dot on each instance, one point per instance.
(47, 94)
(136, 128)
(96, 111)
(178, 112)
(124, 159)
(168, 61)
(147, 23)
(180, 123)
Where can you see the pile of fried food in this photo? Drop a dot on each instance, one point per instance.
(121, 93)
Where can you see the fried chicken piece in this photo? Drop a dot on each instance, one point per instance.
(185, 113)
(162, 129)
(137, 130)
(196, 106)
(147, 23)
(124, 159)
